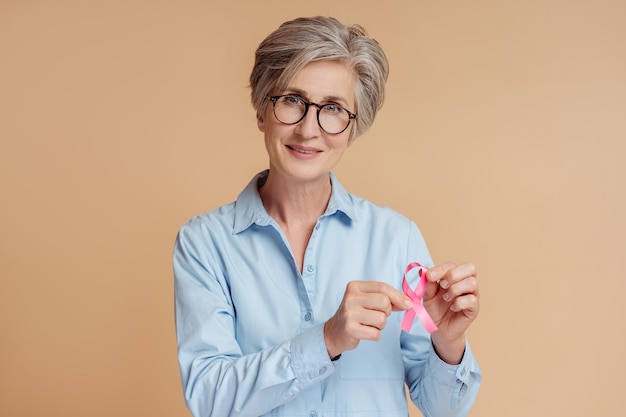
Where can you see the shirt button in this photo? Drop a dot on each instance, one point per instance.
(310, 268)
(322, 370)
(317, 226)
(313, 414)
(307, 316)
(463, 372)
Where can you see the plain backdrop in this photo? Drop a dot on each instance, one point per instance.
(503, 136)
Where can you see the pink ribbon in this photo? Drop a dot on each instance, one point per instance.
(416, 296)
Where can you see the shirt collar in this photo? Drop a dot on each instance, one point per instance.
(249, 208)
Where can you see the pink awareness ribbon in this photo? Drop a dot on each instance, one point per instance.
(416, 296)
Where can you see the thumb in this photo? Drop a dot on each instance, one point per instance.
(432, 283)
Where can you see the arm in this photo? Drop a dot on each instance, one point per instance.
(436, 387)
(441, 372)
(218, 379)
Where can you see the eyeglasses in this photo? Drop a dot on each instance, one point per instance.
(290, 109)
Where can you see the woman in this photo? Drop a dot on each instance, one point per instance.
(285, 297)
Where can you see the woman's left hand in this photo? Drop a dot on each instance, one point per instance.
(451, 299)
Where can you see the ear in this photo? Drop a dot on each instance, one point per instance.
(260, 122)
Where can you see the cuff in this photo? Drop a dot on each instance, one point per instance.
(461, 372)
(309, 357)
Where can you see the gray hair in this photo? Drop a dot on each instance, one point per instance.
(296, 43)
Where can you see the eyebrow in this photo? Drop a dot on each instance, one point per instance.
(297, 91)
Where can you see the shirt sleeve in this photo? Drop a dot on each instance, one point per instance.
(437, 388)
(218, 380)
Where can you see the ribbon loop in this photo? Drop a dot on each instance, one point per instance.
(416, 296)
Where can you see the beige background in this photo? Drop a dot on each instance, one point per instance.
(503, 137)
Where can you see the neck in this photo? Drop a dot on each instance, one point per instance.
(290, 203)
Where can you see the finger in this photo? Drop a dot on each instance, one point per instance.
(365, 324)
(375, 301)
(434, 275)
(457, 274)
(468, 304)
(437, 272)
(369, 333)
(466, 286)
(399, 301)
(375, 319)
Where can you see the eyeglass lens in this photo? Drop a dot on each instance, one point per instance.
(290, 109)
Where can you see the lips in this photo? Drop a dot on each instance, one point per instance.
(303, 149)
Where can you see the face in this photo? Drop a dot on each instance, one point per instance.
(303, 152)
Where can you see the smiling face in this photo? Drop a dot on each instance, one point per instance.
(303, 152)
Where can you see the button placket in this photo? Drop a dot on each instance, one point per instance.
(308, 271)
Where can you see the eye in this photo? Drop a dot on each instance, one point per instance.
(333, 108)
(292, 100)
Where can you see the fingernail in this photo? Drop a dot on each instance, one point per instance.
(446, 297)
(432, 274)
(408, 303)
(453, 307)
(443, 283)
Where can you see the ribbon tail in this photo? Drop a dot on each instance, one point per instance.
(425, 318)
(407, 321)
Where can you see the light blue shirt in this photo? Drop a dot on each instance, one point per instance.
(250, 325)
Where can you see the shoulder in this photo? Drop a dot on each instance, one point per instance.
(230, 217)
(219, 220)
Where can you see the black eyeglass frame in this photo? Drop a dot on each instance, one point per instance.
(351, 116)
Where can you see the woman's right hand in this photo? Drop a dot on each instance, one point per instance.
(362, 315)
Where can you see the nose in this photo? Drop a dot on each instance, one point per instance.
(309, 127)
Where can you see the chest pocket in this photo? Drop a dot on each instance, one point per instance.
(375, 360)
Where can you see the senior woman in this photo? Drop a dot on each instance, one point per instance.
(289, 300)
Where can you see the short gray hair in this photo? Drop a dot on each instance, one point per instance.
(296, 43)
